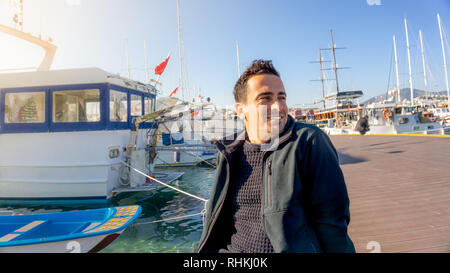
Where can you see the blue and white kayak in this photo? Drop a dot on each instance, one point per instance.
(64, 232)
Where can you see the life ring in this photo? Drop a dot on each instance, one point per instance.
(387, 114)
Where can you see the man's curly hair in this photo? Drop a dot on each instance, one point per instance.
(258, 67)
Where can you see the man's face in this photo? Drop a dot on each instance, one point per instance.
(265, 112)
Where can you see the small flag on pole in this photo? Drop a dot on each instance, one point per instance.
(173, 92)
(162, 66)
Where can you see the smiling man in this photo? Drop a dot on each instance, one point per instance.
(278, 186)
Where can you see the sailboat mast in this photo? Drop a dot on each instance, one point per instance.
(333, 51)
(180, 55)
(409, 63)
(396, 69)
(445, 61)
(322, 77)
(423, 60)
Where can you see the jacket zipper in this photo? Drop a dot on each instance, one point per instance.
(214, 214)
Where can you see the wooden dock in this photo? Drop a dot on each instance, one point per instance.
(399, 189)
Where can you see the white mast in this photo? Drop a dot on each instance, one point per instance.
(179, 50)
(445, 60)
(409, 63)
(238, 61)
(147, 77)
(396, 70)
(423, 60)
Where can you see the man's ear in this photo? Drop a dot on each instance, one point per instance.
(240, 110)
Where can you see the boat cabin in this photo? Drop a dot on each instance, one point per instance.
(87, 99)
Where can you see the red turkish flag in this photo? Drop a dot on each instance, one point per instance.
(162, 66)
(173, 92)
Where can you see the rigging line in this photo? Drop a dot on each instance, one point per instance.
(430, 62)
(445, 38)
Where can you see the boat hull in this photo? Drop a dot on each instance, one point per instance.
(61, 165)
(81, 245)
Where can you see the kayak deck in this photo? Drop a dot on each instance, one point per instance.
(52, 227)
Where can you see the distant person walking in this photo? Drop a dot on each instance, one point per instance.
(362, 126)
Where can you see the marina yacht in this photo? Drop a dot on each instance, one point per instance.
(400, 119)
(384, 117)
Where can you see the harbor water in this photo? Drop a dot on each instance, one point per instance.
(148, 234)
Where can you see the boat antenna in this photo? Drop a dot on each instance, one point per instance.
(147, 77)
(238, 61)
(128, 59)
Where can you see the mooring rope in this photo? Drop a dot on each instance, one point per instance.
(169, 219)
(176, 189)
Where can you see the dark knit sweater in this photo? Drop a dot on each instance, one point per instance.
(245, 195)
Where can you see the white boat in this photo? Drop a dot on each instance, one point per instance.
(68, 134)
(393, 119)
(64, 133)
(390, 118)
(442, 113)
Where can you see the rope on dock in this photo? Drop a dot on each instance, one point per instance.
(176, 189)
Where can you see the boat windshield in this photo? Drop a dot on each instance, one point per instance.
(76, 106)
(24, 107)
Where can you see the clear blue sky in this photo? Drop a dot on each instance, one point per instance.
(92, 33)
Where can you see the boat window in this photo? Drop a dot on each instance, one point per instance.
(76, 106)
(403, 120)
(118, 106)
(148, 102)
(136, 105)
(25, 107)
